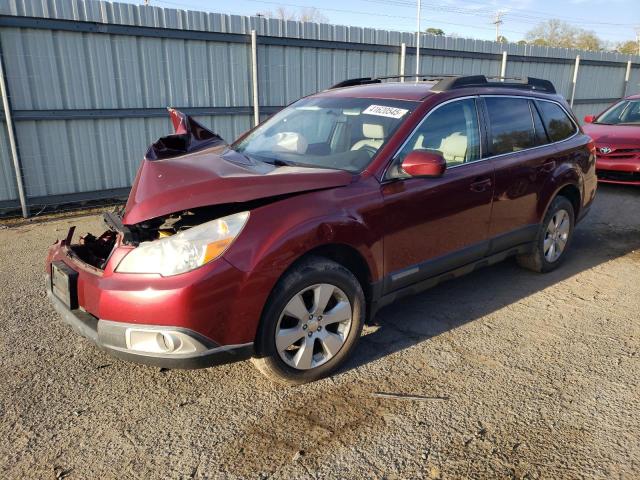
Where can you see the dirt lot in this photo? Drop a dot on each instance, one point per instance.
(537, 377)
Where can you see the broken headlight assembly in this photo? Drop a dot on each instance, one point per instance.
(186, 250)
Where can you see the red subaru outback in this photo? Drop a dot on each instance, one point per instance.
(279, 246)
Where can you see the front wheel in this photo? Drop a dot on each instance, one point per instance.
(553, 238)
(312, 322)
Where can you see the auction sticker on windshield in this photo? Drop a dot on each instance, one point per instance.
(382, 111)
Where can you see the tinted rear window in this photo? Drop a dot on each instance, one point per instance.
(511, 124)
(558, 124)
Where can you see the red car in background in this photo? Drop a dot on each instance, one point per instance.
(616, 132)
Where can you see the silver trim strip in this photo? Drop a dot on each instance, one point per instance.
(404, 273)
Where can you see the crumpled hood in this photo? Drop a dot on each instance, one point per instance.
(194, 168)
(215, 176)
(613, 135)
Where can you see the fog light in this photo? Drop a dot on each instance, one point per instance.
(152, 341)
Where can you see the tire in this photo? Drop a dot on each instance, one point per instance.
(541, 258)
(317, 353)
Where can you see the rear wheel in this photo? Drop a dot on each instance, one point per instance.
(553, 238)
(311, 324)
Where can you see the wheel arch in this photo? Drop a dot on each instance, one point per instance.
(568, 182)
(346, 255)
(572, 193)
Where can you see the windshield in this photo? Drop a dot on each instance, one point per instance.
(339, 133)
(626, 112)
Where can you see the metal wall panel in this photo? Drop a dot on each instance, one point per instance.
(560, 74)
(56, 70)
(600, 82)
(8, 189)
(634, 81)
(65, 70)
(70, 156)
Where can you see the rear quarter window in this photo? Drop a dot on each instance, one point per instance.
(558, 124)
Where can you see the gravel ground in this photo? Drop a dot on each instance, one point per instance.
(533, 376)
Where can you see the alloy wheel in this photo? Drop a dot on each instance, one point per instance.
(557, 235)
(313, 326)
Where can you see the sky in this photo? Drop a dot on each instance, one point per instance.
(611, 20)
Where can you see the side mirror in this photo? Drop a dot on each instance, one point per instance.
(589, 118)
(424, 163)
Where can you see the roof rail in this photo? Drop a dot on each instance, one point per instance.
(526, 83)
(355, 81)
(451, 82)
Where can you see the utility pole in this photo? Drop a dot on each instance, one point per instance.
(497, 21)
(638, 38)
(418, 43)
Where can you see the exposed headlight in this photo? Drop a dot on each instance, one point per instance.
(186, 250)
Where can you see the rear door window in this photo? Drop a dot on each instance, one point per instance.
(510, 124)
(558, 124)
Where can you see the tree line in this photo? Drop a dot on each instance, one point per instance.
(550, 33)
(556, 33)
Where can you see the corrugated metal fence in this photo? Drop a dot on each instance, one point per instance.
(88, 81)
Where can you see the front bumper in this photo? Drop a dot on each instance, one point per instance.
(617, 169)
(114, 338)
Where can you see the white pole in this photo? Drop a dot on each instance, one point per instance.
(403, 55)
(12, 139)
(627, 76)
(503, 68)
(254, 77)
(418, 43)
(575, 80)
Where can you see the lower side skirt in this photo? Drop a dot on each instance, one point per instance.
(428, 283)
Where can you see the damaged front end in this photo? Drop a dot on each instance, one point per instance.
(166, 245)
(192, 195)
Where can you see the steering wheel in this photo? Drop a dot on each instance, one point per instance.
(369, 149)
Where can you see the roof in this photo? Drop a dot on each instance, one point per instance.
(409, 90)
(633, 97)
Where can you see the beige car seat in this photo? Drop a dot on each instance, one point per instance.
(373, 136)
(454, 148)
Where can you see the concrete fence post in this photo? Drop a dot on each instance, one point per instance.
(403, 57)
(627, 77)
(418, 43)
(503, 67)
(6, 105)
(254, 77)
(575, 80)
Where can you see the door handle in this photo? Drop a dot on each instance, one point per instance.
(480, 184)
(548, 167)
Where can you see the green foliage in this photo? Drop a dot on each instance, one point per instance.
(434, 31)
(556, 33)
(629, 47)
